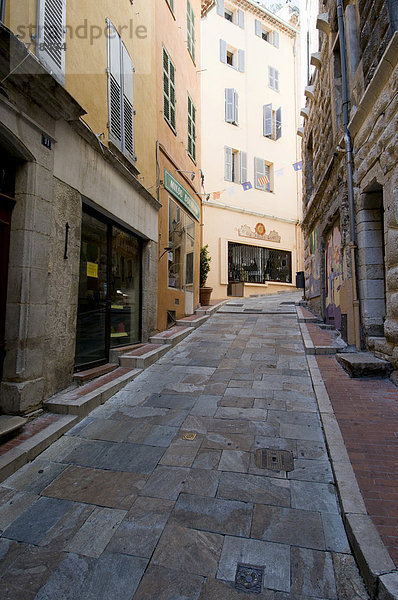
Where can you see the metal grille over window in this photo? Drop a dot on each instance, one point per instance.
(254, 264)
(169, 100)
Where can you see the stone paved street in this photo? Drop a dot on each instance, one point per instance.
(125, 507)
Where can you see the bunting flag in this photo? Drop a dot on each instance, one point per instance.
(216, 195)
(263, 180)
(247, 186)
(298, 166)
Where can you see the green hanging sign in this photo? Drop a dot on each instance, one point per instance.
(179, 192)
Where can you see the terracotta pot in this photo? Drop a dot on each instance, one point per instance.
(204, 295)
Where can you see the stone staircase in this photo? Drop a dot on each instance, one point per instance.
(93, 387)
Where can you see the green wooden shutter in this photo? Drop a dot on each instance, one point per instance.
(191, 29)
(191, 129)
(169, 97)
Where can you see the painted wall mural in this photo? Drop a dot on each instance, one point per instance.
(314, 264)
(334, 277)
(259, 233)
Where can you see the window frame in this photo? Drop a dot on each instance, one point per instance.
(192, 129)
(171, 86)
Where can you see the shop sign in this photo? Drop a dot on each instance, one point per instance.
(179, 192)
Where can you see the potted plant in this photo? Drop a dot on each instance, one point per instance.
(204, 292)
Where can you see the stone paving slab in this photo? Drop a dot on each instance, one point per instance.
(156, 494)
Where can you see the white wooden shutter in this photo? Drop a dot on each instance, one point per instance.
(128, 104)
(241, 61)
(258, 28)
(228, 163)
(259, 171)
(241, 18)
(51, 31)
(278, 123)
(275, 39)
(223, 51)
(276, 80)
(114, 87)
(243, 167)
(229, 105)
(267, 120)
(220, 7)
(236, 107)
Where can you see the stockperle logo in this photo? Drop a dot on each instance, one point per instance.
(179, 192)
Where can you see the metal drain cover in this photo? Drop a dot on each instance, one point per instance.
(276, 460)
(249, 578)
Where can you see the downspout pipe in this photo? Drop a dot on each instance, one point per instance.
(2, 10)
(350, 178)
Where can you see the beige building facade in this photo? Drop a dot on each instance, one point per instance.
(251, 207)
(78, 197)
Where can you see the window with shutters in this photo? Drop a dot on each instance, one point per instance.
(267, 34)
(231, 106)
(120, 95)
(169, 92)
(272, 122)
(171, 5)
(51, 28)
(190, 30)
(191, 130)
(232, 57)
(273, 79)
(263, 174)
(235, 165)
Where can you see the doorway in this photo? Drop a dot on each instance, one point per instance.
(109, 304)
(7, 191)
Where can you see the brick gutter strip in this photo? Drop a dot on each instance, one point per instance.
(374, 561)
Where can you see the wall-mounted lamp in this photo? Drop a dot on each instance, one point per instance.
(168, 249)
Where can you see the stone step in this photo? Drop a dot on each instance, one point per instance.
(209, 310)
(364, 364)
(86, 376)
(192, 321)
(82, 400)
(10, 423)
(171, 336)
(145, 356)
(115, 353)
(27, 450)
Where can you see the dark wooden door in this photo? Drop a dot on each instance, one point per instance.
(6, 206)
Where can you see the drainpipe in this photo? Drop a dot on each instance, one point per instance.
(350, 180)
(2, 10)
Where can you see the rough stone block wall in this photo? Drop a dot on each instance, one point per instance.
(150, 261)
(375, 34)
(63, 282)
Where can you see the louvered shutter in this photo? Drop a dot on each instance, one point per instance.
(229, 105)
(241, 61)
(278, 123)
(51, 31)
(172, 75)
(190, 29)
(223, 51)
(241, 18)
(166, 86)
(258, 28)
(220, 7)
(191, 129)
(276, 80)
(236, 107)
(267, 120)
(275, 39)
(259, 171)
(114, 87)
(228, 164)
(128, 104)
(243, 167)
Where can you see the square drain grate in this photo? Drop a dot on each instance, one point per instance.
(249, 578)
(275, 460)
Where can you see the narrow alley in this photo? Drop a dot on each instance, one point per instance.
(166, 491)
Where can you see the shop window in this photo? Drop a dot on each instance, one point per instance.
(181, 244)
(255, 264)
